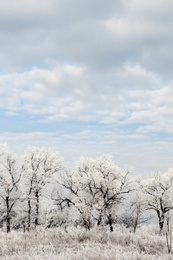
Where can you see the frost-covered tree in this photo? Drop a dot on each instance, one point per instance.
(95, 186)
(158, 192)
(10, 176)
(41, 166)
(135, 211)
(3, 149)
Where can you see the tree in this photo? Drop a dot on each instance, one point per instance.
(10, 176)
(3, 149)
(136, 213)
(40, 165)
(159, 193)
(169, 232)
(95, 186)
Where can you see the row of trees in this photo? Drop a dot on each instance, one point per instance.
(38, 188)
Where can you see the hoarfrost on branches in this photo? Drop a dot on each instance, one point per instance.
(96, 186)
(10, 176)
(41, 166)
(159, 193)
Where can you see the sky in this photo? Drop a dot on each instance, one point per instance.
(89, 78)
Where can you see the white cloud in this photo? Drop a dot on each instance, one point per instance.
(145, 155)
(89, 61)
(129, 94)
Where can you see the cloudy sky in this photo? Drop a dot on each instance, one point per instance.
(88, 77)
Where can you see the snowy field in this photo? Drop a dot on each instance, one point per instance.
(78, 244)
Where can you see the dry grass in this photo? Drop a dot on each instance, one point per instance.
(77, 244)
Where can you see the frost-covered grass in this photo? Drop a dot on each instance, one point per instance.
(78, 244)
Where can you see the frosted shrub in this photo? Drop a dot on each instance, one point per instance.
(79, 244)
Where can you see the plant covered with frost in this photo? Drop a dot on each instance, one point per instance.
(77, 244)
(95, 187)
(158, 193)
(70, 211)
(41, 166)
(10, 177)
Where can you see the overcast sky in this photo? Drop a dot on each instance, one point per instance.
(88, 77)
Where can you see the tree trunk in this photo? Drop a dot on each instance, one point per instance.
(8, 222)
(29, 205)
(87, 223)
(110, 222)
(135, 225)
(99, 220)
(24, 226)
(37, 209)
(161, 222)
(169, 233)
(29, 215)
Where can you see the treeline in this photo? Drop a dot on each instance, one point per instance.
(39, 188)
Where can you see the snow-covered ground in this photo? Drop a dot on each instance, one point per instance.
(78, 244)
